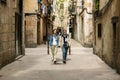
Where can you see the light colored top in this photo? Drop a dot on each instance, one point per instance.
(54, 40)
(68, 39)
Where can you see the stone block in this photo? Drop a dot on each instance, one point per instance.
(4, 37)
(13, 20)
(13, 28)
(0, 29)
(1, 45)
(4, 18)
(13, 44)
(5, 28)
(118, 63)
(5, 57)
(11, 36)
(31, 30)
(5, 45)
(13, 54)
(0, 60)
(31, 45)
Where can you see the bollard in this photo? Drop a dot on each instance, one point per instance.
(69, 50)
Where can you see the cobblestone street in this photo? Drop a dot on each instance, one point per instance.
(82, 64)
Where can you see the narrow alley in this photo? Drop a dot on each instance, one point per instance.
(37, 65)
(28, 28)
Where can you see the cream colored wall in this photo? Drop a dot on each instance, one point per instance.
(31, 7)
(107, 34)
(103, 3)
(87, 34)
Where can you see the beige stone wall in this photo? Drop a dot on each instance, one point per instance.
(103, 3)
(104, 46)
(5, 26)
(118, 51)
(41, 30)
(85, 33)
(81, 37)
(78, 20)
(88, 29)
(30, 7)
(118, 43)
(31, 31)
(7, 32)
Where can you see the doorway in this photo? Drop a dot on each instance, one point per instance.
(114, 44)
(18, 34)
(38, 32)
(114, 37)
(82, 30)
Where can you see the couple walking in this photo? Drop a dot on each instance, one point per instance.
(62, 41)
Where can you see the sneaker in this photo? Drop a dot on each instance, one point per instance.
(64, 62)
(55, 62)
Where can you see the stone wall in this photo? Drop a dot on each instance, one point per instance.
(118, 42)
(7, 31)
(30, 9)
(85, 25)
(30, 6)
(106, 45)
(31, 31)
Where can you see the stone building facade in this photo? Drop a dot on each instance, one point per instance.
(36, 22)
(30, 8)
(84, 30)
(61, 13)
(107, 32)
(11, 37)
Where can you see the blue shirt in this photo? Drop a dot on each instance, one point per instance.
(51, 40)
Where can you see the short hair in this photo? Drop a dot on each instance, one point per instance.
(65, 30)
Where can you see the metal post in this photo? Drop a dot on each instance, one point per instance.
(69, 50)
(48, 40)
(47, 35)
(48, 47)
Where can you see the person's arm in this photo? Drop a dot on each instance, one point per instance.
(50, 41)
(60, 40)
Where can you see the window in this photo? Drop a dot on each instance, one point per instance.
(99, 30)
(3, 1)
